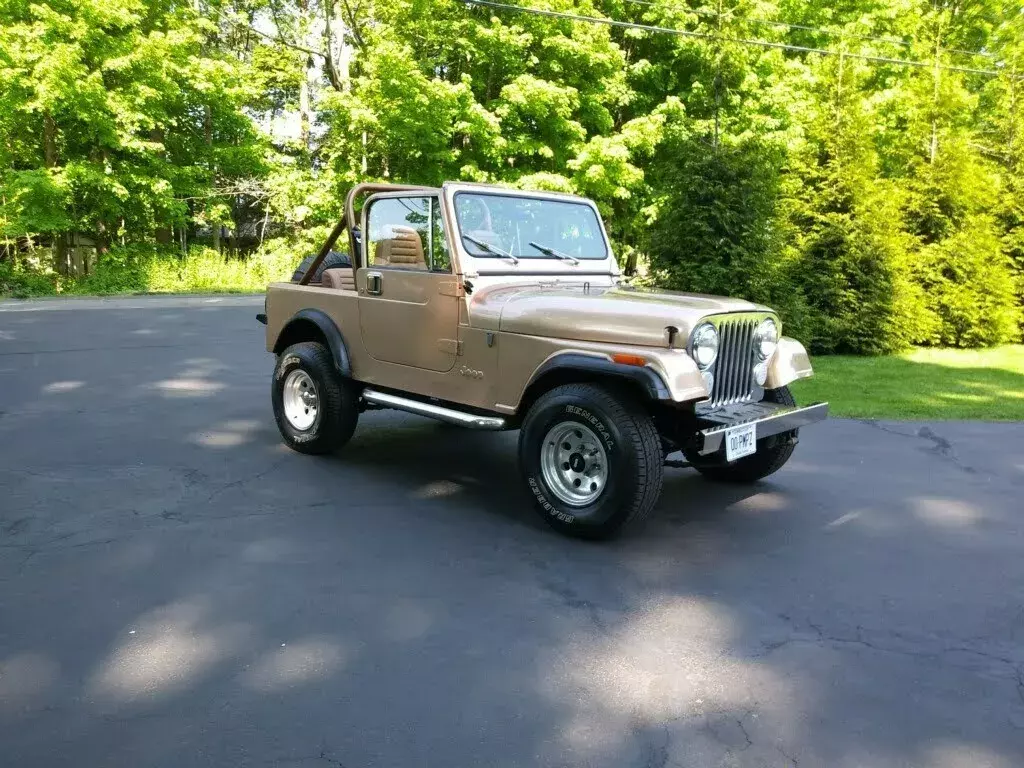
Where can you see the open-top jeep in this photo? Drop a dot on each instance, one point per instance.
(494, 308)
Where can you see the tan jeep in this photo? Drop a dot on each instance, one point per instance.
(494, 308)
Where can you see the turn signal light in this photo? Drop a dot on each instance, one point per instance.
(630, 359)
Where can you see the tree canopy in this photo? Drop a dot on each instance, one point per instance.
(858, 164)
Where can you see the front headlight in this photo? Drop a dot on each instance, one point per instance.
(704, 347)
(766, 339)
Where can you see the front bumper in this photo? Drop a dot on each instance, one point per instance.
(771, 419)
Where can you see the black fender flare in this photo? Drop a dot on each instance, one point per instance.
(335, 341)
(648, 379)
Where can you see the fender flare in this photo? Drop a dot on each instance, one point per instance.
(645, 376)
(335, 341)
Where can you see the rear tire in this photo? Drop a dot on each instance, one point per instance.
(592, 459)
(772, 452)
(315, 408)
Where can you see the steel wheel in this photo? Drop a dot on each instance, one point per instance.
(300, 400)
(573, 463)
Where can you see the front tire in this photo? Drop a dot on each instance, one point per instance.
(591, 458)
(772, 452)
(315, 408)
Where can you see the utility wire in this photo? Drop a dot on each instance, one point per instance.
(743, 41)
(805, 28)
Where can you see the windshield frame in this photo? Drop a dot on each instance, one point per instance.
(488, 263)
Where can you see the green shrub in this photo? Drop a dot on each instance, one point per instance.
(856, 277)
(22, 283)
(148, 269)
(201, 270)
(722, 228)
(971, 286)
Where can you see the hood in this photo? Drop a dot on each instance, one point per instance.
(609, 314)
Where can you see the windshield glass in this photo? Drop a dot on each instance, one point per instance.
(493, 226)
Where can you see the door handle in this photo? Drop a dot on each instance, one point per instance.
(373, 283)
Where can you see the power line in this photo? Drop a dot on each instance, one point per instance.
(805, 28)
(742, 41)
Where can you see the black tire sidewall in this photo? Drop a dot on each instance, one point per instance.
(291, 359)
(601, 517)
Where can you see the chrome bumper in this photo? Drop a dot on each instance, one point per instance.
(771, 419)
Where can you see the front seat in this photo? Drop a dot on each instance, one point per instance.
(340, 279)
(403, 250)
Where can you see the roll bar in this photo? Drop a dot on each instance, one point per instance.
(348, 220)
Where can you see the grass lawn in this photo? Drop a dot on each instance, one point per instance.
(983, 384)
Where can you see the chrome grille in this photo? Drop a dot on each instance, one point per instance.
(734, 368)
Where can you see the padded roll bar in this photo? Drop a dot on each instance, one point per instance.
(348, 220)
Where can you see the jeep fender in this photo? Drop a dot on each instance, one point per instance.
(298, 329)
(789, 364)
(650, 381)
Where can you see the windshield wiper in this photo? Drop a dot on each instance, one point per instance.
(552, 252)
(491, 249)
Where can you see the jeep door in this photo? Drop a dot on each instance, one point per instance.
(408, 305)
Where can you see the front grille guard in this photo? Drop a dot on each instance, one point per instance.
(734, 368)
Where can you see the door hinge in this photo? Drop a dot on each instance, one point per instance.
(450, 346)
(451, 288)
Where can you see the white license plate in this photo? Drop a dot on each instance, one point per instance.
(740, 442)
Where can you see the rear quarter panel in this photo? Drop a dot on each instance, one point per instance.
(285, 299)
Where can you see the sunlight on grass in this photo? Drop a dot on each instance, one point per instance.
(206, 271)
(983, 384)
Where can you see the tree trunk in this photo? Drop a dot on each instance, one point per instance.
(163, 232)
(208, 136)
(718, 75)
(933, 149)
(49, 140)
(60, 245)
(337, 67)
(102, 239)
(304, 104)
(233, 232)
(630, 268)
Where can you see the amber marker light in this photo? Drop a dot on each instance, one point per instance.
(629, 359)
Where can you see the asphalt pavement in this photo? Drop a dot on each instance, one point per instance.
(178, 589)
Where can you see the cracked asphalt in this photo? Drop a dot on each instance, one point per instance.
(177, 589)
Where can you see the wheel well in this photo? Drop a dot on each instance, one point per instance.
(559, 376)
(298, 331)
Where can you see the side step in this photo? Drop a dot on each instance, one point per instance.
(461, 418)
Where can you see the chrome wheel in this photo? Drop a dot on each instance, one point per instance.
(300, 400)
(573, 463)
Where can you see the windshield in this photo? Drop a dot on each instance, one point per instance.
(495, 226)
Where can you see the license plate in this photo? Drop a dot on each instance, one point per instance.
(740, 442)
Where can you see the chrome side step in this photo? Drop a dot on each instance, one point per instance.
(461, 418)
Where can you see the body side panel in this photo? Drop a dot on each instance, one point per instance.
(493, 370)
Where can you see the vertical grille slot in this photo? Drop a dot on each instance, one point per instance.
(734, 369)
